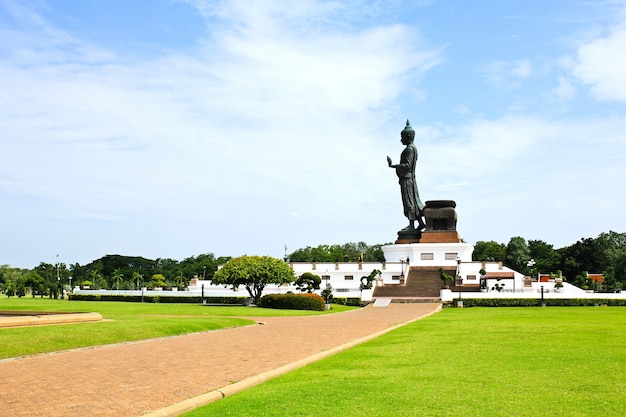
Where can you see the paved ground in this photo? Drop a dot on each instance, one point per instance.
(134, 379)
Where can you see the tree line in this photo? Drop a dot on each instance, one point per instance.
(604, 254)
(109, 272)
(348, 252)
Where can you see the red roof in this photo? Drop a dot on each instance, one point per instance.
(596, 277)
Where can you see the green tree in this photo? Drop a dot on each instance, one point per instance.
(203, 266)
(351, 251)
(49, 274)
(308, 282)
(620, 270)
(301, 255)
(321, 254)
(34, 281)
(348, 252)
(517, 254)
(610, 283)
(375, 253)
(116, 277)
(10, 288)
(366, 280)
(579, 257)
(158, 280)
(20, 291)
(137, 280)
(327, 293)
(610, 251)
(489, 251)
(254, 272)
(608, 247)
(547, 259)
(447, 279)
(11, 279)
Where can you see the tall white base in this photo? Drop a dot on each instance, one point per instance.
(429, 254)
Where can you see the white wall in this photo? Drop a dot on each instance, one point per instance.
(339, 274)
(443, 254)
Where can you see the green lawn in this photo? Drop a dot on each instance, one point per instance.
(555, 361)
(123, 322)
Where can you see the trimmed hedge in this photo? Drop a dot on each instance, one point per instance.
(352, 301)
(293, 301)
(159, 299)
(531, 302)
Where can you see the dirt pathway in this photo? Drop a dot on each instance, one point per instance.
(133, 379)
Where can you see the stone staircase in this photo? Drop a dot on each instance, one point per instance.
(422, 284)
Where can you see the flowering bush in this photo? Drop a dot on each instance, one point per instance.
(293, 301)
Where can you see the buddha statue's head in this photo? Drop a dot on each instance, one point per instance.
(407, 134)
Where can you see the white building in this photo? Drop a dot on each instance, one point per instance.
(345, 278)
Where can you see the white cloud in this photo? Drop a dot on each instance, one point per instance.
(273, 129)
(526, 176)
(565, 90)
(601, 62)
(521, 69)
(461, 109)
(270, 117)
(507, 75)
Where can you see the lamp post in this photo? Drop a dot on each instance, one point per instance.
(58, 277)
(531, 264)
(402, 263)
(458, 270)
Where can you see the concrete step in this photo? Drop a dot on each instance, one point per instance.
(425, 300)
(420, 282)
(382, 302)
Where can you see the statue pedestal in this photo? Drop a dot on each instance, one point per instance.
(409, 236)
(429, 254)
(439, 245)
(440, 236)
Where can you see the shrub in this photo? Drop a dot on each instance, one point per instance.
(159, 299)
(531, 302)
(293, 301)
(308, 282)
(352, 301)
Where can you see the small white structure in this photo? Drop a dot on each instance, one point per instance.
(429, 254)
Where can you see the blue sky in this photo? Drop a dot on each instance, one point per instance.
(170, 128)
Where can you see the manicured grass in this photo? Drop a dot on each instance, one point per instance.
(565, 361)
(112, 307)
(123, 322)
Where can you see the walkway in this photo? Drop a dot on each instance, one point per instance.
(134, 379)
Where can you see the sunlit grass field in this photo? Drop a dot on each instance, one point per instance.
(555, 361)
(123, 322)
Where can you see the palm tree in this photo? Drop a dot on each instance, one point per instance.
(95, 274)
(117, 275)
